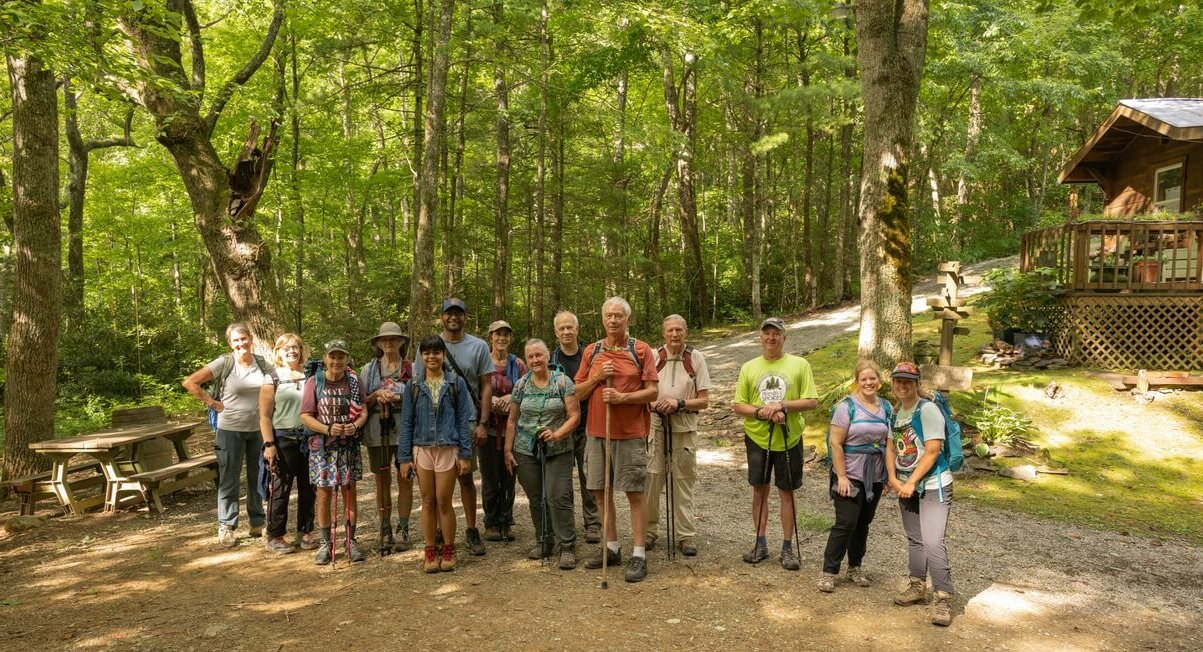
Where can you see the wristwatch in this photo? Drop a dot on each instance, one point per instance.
(680, 405)
(268, 444)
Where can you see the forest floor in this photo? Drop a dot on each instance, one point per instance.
(134, 582)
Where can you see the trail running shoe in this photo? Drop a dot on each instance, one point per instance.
(757, 554)
(355, 554)
(226, 536)
(475, 545)
(324, 550)
(636, 569)
(612, 559)
(789, 559)
(827, 583)
(567, 558)
(278, 545)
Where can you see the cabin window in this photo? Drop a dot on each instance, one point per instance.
(1167, 188)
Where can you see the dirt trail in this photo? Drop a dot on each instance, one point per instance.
(133, 582)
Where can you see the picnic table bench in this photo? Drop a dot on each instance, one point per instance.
(32, 488)
(116, 452)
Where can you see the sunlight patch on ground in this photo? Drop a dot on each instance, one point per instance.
(110, 638)
(1005, 604)
(215, 559)
(718, 457)
(449, 587)
(282, 606)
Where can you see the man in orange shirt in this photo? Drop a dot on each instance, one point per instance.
(630, 366)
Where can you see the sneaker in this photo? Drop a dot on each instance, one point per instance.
(256, 531)
(567, 558)
(402, 542)
(649, 540)
(915, 593)
(612, 559)
(447, 559)
(385, 547)
(278, 545)
(757, 554)
(430, 563)
(324, 550)
(354, 553)
(593, 534)
(306, 541)
(636, 569)
(475, 545)
(226, 536)
(493, 534)
(789, 559)
(507, 534)
(858, 577)
(827, 583)
(689, 548)
(941, 609)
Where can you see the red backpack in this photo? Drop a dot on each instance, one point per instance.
(686, 360)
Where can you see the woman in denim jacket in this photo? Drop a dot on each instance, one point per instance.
(436, 413)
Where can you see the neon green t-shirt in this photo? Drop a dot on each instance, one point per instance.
(761, 382)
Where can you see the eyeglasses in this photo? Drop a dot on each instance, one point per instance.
(291, 347)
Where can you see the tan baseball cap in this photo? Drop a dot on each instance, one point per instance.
(500, 324)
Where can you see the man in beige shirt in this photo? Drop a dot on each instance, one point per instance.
(684, 390)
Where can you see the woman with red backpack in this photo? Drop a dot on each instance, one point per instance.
(384, 378)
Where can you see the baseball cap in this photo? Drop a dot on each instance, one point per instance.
(906, 370)
(453, 302)
(336, 345)
(500, 324)
(775, 322)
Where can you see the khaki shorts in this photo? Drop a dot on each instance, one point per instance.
(628, 459)
(382, 457)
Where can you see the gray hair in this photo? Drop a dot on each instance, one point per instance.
(620, 302)
(567, 313)
(534, 341)
(239, 327)
(676, 317)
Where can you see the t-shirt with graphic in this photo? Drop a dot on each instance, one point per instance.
(539, 408)
(761, 382)
(675, 383)
(239, 395)
(908, 450)
(627, 420)
(334, 406)
(287, 413)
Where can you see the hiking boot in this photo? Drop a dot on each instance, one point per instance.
(612, 559)
(430, 563)
(256, 531)
(475, 545)
(226, 536)
(757, 554)
(649, 540)
(278, 545)
(567, 557)
(493, 534)
(386, 540)
(593, 534)
(324, 550)
(915, 593)
(689, 548)
(402, 542)
(941, 609)
(636, 569)
(353, 551)
(447, 559)
(827, 583)
(857, 576)
(306, 541)
(507, 534)
(540, 551)
(789, 559)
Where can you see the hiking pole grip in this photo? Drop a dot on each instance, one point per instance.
(605, 554)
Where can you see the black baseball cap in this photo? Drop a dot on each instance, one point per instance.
(453, 302)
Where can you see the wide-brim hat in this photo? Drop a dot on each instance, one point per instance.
(389, 329)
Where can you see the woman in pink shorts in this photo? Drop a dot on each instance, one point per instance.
(436, 442)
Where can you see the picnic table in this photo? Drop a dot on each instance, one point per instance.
(116, 450)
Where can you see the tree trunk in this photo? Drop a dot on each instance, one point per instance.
(539, 244)
(501, 195)
(617, 205)
(972, 133)
(750, 205)
(455, 237)
(421, 288)
(682, 116)
(844, 239)
(557, 215)
(294, 185)
(418, 80)
(891, 42)
(32, 359)
(657, 210)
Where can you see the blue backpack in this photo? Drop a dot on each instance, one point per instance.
(952, 453)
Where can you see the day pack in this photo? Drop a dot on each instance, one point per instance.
(600, 345)
(219, 380)
(952, 453)
(850, 405)
(686, 360)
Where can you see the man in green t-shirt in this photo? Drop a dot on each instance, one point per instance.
(770, 395)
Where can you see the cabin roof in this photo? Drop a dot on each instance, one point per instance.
(1175, 118)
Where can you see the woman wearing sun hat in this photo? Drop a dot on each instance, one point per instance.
(384, 378)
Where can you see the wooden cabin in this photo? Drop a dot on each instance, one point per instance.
(1134, 280)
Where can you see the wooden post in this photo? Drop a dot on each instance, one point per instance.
(949, 307)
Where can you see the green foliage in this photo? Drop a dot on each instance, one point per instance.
(1020, 300)
(999, 424)
(810, 521)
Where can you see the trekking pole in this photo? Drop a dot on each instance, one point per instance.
(605, 555)
(789, 477)
(541, 454)
(768, 468)
(670, 498)
(334, 523)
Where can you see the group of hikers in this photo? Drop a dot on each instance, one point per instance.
(622, 414)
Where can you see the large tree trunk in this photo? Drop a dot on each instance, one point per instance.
(455, 234)
(421, 287)
(616, 219)
(973, 131)
(557, 215)
(539, 243)
(32, 359)
(749, 204)
(501, 195)
(891, 41)
(682, 115)
(223, 200)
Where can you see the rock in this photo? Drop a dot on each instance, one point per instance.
(17, 523)
(1025, 472)
(215, 630)
(1054, 390)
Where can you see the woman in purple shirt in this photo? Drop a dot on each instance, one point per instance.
(860, 429)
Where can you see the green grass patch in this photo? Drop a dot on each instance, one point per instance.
(812, 522)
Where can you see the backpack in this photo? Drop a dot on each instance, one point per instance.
(952, 453)
(219, 380)
(686, 360)
(888, 420)
(597, 351)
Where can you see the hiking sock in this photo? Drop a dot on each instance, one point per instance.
(403, 523)
(787, 545)
(639, 551)
(612, 546)
(350, 530)
(325, 531)
(762, 542)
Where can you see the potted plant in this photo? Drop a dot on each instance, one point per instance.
(1146, 269)
(1020, 304)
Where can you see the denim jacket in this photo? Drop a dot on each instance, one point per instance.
(449, 425)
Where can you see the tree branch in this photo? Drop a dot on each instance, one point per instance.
(241, 77)
(125, 140)
(198, 50)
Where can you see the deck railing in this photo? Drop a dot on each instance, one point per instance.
(1114, 256)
